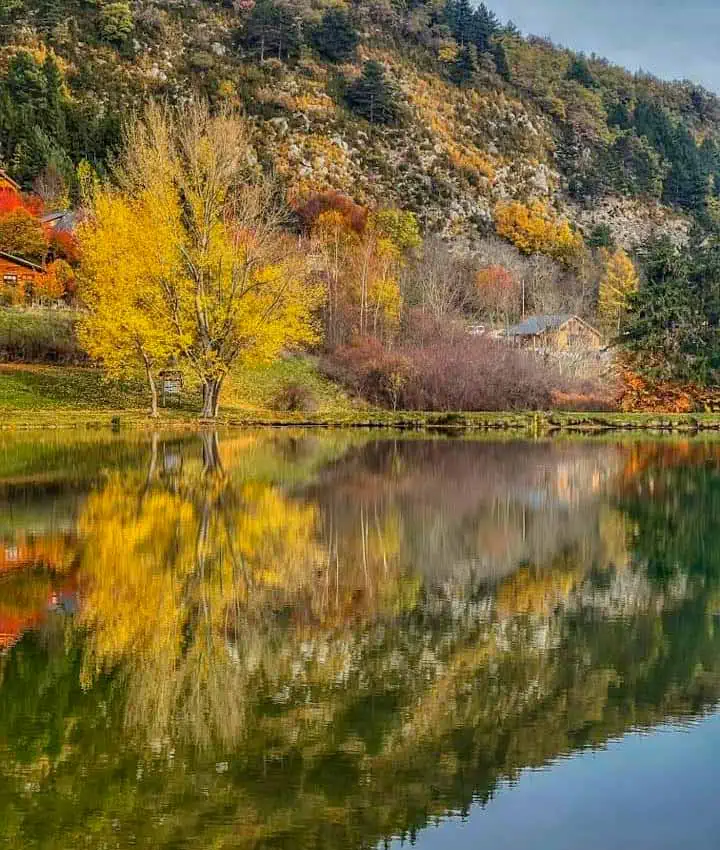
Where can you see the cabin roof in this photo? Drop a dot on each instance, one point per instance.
(62, 221)
(21, 262)
(537, 325)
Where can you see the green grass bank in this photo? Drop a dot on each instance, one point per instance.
(33, 396)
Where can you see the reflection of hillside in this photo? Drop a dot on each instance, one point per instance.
(476, 509)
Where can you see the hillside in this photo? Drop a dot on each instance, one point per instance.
(479, 113)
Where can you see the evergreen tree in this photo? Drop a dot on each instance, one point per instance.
(373, 96)
(272, 30)
(688, 179)
(335, 37)
(672, 329)
(502, 66)
(459, 16)
(485, 26)
(580, 72)
(465, 66)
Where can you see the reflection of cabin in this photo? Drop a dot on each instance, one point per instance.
(7, 183)
(556, 333)
(15, 271)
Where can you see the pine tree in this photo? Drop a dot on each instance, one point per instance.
(485, 25)
(335, 37)
(464, 68)
(502, 66)
(580, 72)
(672, 329)
(272, 30)
(373, 96)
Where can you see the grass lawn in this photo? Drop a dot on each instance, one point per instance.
(64, 395)
(67, 396)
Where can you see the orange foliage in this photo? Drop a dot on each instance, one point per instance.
(58, 280)
(312, 208)
(65, 246)
(10, 200)
(644, 396)
(536, 229)
(498, 290)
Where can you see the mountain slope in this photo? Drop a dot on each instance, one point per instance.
(484, 116)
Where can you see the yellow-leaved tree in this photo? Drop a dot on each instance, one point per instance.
(204, 242)
(124, 254)
(536, 229)
(361, 263)
(618, 283)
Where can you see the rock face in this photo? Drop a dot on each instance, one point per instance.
(630, 221)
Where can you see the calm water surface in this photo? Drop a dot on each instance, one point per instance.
(296, 640)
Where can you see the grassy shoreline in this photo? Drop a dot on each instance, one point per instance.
(56, 397)
(525, 423)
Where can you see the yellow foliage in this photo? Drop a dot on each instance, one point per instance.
(125, 256)
(536, 229)
(618, 283)
(58, 278)
(188, 258)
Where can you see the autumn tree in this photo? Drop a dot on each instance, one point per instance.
(57, 282)
(536, 229)
(620, 280)
(499, 293)
(22, 235)
(438, 283)
(124, 261)
(360, 258)
(203, 241)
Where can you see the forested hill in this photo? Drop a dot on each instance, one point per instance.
(436, 106)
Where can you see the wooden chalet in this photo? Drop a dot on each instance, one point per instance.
(562, 332)
(16, 271)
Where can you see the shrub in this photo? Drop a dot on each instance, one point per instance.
(295, 397)
(449, 372)
(39, 336)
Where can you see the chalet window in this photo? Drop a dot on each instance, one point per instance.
(10, 279)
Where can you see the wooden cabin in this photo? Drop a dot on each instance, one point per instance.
(563, 333)
(17, 272)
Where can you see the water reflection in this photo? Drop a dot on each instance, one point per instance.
(293, 640)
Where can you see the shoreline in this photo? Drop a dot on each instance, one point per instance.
(526, 422)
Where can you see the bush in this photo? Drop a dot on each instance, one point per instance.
(39, 336)
(451, 372)
(295, 397)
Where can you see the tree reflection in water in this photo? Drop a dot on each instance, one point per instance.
(324, 641)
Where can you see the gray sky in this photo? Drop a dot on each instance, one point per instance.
(668, 38)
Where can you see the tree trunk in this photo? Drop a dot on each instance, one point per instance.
(211, 398)
(153, 387)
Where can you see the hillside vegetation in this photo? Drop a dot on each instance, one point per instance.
(468, 113)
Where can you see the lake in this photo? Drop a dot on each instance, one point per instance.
(287, 639)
